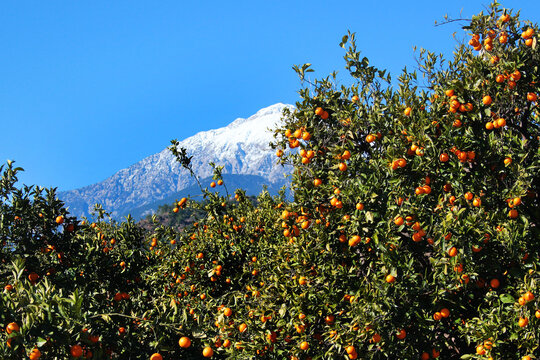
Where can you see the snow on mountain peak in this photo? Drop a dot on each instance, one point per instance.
(242, 147)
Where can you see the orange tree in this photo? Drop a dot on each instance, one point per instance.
(412, 232)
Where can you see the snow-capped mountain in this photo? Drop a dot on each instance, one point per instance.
(242, 147)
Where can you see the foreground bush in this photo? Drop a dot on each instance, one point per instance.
(413, 232)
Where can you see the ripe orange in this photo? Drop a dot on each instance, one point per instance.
(156, 356)
(342, 166)
(390, 278)
(452, 251)
(424, 356)
(318, 111)
(532, 97)
(529, 296)
(445, 312)
(34, 354)
(444, 157)
(449, 92)
(523, 321)
(59, 219)
(8, 287)
(227, 312)
(504, 18)
(512, 214)
(11, 327)
(480, 350)
(487, 100)
(355, 98)
(208, 352)
(376, 338)
(355, 240)
(407, 111)
(304, 345)
(495, 283)
(399, 221)
(350, 349)
(76, 351)
(401, 334)
(242, 327)
(213, 184)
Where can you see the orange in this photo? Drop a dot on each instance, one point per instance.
(227, 312)
(318, 111)
(59, 219)
(495, 283)
(11, 327)
(376, 338)
(342, 166)
(424, 356)
(34, 354)
(76, 351)
(487, 100)
(346, 155)
(242, 327)
(350, 349)
(390, 278)
(480, 350)
(523, 321)
(532, 97)
(304, 345)
(401, 334)
(512, 214)
(449, 92)
(407, 111)
(399, 221)
(445, 312)
(452, 251)
(529, 296)
(213, 184)
(444, 157)
(208, 352)
(504, 18)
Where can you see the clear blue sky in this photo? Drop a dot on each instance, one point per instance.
(90, 87)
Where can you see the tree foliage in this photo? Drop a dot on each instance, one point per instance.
(413, 232)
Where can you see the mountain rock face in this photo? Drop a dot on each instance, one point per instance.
(242, 147)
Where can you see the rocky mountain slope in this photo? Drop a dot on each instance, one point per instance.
(242, 147)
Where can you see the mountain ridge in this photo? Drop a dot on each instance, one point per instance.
(242, 147)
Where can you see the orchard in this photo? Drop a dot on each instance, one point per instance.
(412, 232)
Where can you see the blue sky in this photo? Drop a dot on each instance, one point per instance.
(90, 87)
